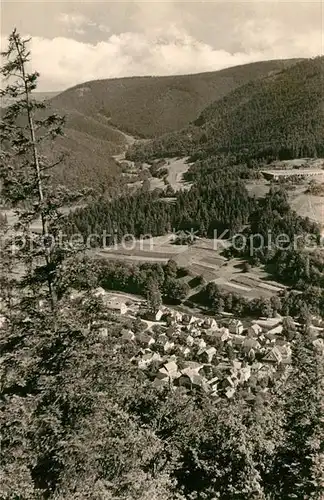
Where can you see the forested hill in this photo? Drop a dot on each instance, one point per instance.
(151, 106)
(99, 112)
(280, 114)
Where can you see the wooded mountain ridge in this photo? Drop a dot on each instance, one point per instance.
(281, 115)
(99, 112)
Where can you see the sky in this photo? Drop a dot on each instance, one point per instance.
(77, 41)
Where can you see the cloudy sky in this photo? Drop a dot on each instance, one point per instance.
(77, 41)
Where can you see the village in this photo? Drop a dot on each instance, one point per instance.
(196, 352)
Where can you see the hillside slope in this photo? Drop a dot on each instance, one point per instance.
(99, 113)
(87, 146)
(151, 106)
(281, 114)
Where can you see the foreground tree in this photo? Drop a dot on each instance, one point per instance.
(67, 430)
(26, 130)
(303, 453)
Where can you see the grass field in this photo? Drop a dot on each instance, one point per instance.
(176, 168)
(202, 259)
(304, 203)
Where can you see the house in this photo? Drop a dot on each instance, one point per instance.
(123, 308)
(318, 344)
(146, 358)
(207, 371)
(236, 366)
(182, 336)
(144, 339)
(168, 346)
(113, 303)
(161, 340)
(228, 382)
(154, 315)
(192, 367)
(259, 370)
(156, 357)
(285, 351)
(273, 356)
(127, 335)
(188, 319)
(169, 371)
(254, 330)
(206, 354)
(171, 331)
(262, 339)
(184, 351)
(194, 331)
(221, 335)
(213, 383)
(256, 366)
(145, 361)
(199, 343)
(176, 316)
(116, 306)
(270, 338)
(223, 367)
(189, 341)
(192, 381)
(103, 332)
(245, 373)
(235, 326)
(230, 392)
(99, 292)
(210, 323)
(191, 376)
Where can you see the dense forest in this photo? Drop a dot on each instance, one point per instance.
(278, 116)
(206, 208)
(218, 200)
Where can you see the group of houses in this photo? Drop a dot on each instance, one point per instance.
(182, 350)
(198, 353)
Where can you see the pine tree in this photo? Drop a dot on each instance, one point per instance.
(26, 128)
(153, 296)
(302, 458)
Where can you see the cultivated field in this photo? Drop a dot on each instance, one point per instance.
(308, 205)
(158, 249)
(203, 258)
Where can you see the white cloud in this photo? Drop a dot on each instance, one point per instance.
(74, 22)
(79, 23)
(64, 62)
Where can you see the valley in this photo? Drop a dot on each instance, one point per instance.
(162, 312)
